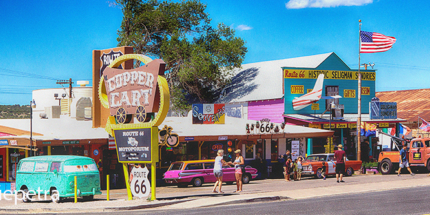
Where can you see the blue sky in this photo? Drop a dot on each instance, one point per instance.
(47, 40)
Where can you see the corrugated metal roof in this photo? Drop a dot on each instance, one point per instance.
(410, 103)
(263, 80)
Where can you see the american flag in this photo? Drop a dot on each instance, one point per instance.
(425, 126)
(372, 42)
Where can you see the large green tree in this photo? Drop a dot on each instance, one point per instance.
(199, 56)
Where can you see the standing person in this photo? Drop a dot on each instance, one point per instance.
(323, 170)
(299, 168)
(404, 160)
(287, 169)
(238, 163)
(286, 156)
(295, 169)
(340, 157)
(219, 162)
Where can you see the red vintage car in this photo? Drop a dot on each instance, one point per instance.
(312, 166)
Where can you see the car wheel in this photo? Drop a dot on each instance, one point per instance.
(349, 171)
(229, 182)
(246, 178)
(428, 165)
(24, 196)
(319, 173)
(386, 166)
(55, 196)
(88, 198)
(197, 182)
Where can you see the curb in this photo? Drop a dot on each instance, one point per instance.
(100, 209)
(251, 200)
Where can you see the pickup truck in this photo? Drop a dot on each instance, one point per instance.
(418, 156)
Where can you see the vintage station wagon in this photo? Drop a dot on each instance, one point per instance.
(54, 175)
(198, 172)
(312, 166)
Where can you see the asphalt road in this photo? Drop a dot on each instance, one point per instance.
(402, 201)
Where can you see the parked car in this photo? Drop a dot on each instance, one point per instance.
(418, 155)
(312, 166)
(54, 175)
(197, 172)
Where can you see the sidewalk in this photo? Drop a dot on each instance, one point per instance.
(169, 198)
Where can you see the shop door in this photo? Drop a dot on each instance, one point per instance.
(331, 91)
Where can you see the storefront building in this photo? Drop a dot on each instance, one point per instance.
(338, 114)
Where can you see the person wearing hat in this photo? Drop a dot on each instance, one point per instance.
(238, 163)
(340, 157)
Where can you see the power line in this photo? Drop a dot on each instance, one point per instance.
(14, 73)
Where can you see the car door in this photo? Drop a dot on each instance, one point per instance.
(416, 152)
(331, 164)
(209, 174)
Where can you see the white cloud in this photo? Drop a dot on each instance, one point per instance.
(243, 28)
(298, 4)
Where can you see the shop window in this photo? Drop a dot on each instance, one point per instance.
(15, 156)
(427, 143)
(192, 166)
(331, 91)
(248, 149)
(56, 166)
(274, 150)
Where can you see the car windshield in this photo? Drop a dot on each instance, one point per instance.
(317, 158)
(175, 166)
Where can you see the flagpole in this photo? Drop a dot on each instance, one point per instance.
(359, 97)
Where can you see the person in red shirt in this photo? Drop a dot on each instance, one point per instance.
(340, 157)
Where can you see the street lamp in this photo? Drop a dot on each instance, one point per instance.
(32, 105)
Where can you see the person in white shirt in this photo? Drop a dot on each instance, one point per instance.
(219, 162)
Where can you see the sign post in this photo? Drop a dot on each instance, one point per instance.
(135, 93)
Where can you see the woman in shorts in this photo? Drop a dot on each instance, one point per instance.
(238, 163)
(219, 162)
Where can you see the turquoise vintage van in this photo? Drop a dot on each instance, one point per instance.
(54, 175)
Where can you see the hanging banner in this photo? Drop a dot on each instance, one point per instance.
(208, 113)
(328, 74)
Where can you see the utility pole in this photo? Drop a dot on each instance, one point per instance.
(69, 82)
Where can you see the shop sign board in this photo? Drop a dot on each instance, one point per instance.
(70, 142)
(13, 142)
(135, 145)
(46, 142)
(189, 138)
(326, 126)
(222, 137)
(314, 125)
(347, 93)
(295, 146)
(384, 125)
(108, 58)
(297, 89)
(328, 74)
(315, 106)
(341, 125)
(383, 110)
(217, 146)
(352, 125)
(208, 113)
(365, 91)
(140, 186)
(3, 143)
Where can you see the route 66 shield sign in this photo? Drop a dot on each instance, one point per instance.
(139, 185)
